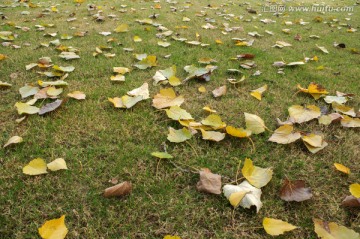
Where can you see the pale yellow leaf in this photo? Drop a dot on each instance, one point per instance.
(285, 134)
(330, 230)
(13, 140)
(212, 135)
(178, 136)
(214, 121)
(254, 123)
(238, 132)
(24, 108)
(257, 176)
(79, 95)
(35, 167)
(258, 92)
(301, 114)
(275, 227)
(177, 113)
(57, 164)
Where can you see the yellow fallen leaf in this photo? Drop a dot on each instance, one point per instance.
(122, 28)
(285, 134)
(355, 190)
(178, 136)
(208, 109)
(79, 95)
(330, 230)
(218, 41)
(177, 113)
(13, 140)
(118, 103)
(137, 39)
(254, 123)
(301, 114)
(315, 90)
(202, 89)
(54, 229)
(212, 135)
(130, 101)
(214, 121)
(166, 98)
(121, 70)
(258, 92)
(350, 122)
(171, 237)
(52, 91)
(3, 57)
(35, 167)
(256, 176)
(314, 142)
(238, 132)
(275, 227)
(342, 168)
(343, 109)
(57, 164)
(235, 198)
(24, 108)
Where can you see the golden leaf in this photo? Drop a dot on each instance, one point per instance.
(214, 121)
(238, 132)
(342, 168)
(315, 90)
(54, 229)
(355, 190)
(258, 92)
(24, 108)
(285, 135)
(35, 167)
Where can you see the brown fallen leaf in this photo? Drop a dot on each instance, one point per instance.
(209, 182)
(295, 191)
(351, 201)
(118, 190)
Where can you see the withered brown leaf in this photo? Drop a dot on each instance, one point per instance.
(209, 182)
(50, 107)
(351, 201)
(118, 190)
(295, 191)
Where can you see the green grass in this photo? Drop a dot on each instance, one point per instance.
(100, 142)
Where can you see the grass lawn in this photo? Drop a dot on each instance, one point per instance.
(100, 142)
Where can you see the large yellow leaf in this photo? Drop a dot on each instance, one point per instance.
(257, 176)
(177, 113)
(355, 190)
(57, 164)
(35, 167)
(258, 92)
(301, 114)
(212, 135)
(254, 123)
(24, 108)
(315, 90)
(275, 227)
(166, 98)
(214, 121)
(330, 230)
(314, 142)
(54, 229)
(285, 135)
(238, 132)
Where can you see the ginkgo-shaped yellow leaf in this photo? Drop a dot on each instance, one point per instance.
(214, 121)
(315, 90)
(355, 190)
(258, 92)
(301, 114)
(122, 28)
(212, 135)
(166, 98)
(24, 108)
(238, 132)
(257, 176)
(178, 136)
(35, 167)
(177, 113)
(314, 142)
(54, 229)
(330, 230)
(13, 140)
(254, 123)
(342, 168)
(275, 227)
(285, 135)
(57, 164)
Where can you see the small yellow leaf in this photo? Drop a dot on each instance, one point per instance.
(212, 135)
(238, 132)
(57, 164)
(171, 237)
(214, 121)
(178, 136)
(275, 227)
(13, 140)
(137, 39)
(35, 167)
(235, 198)
(166, 98)
(54, 229)
(355, 190)
(218, 41)
(342, 168)
(202, 89)
(121, 70)
(118, 103)
(208, 109)
(3, 57)
(284, 135)
(350, 122)
(52, 91)
(258, 92)
(117, 77)
(343, 109)
(315, 90)
(257, 176)
(79, 95)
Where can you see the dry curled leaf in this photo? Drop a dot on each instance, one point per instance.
(295, 191)
(209, 182)
(118, 190)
